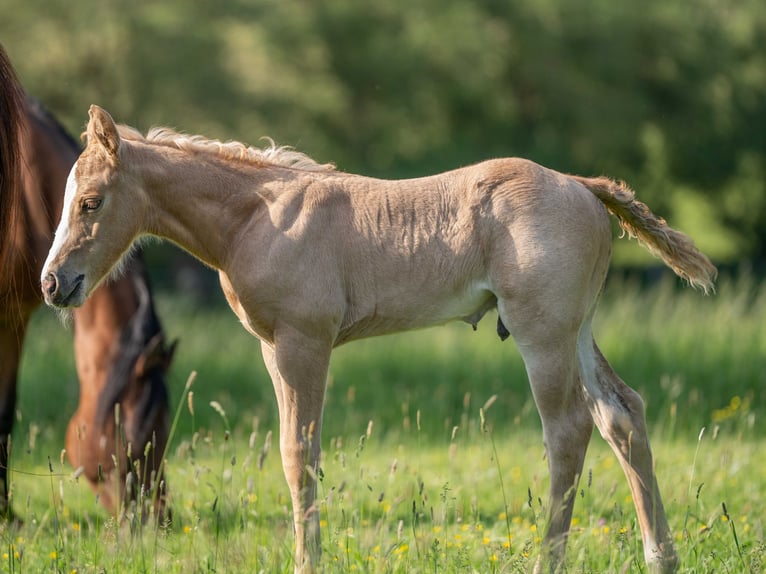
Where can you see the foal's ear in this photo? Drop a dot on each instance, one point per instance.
(101, 129)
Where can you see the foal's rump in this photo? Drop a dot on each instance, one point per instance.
(555, 210)
(549, 250)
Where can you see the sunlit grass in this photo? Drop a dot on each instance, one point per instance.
(412, 481)
(396, 506)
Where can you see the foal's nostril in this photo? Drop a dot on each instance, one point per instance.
(50, 284)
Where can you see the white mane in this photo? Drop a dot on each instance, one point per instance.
(283, 156)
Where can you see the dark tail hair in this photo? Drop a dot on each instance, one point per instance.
(11, 109)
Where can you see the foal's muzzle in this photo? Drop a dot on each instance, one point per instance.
(60, 292)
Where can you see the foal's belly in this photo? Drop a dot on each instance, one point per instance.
(417, 310)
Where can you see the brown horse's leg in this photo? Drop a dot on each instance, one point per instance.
(11, 340)
(298, 367)
(619, 415)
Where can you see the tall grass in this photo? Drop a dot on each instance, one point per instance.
(689, 355)
(396, 507)
(413, 478)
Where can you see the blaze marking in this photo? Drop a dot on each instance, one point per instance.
(62, 231)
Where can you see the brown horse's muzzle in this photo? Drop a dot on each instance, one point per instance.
(61, 291)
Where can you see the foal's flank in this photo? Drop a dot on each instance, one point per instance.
(310, 258)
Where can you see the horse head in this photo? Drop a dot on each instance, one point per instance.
(99, 221)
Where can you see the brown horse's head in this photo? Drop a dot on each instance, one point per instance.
(99, 221)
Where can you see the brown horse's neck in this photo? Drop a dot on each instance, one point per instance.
(49, 154)
(46, 155)
(200, 203)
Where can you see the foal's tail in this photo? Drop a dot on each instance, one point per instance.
(676, 249)
(11, 107)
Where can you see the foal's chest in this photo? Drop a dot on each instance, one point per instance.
(253, 325)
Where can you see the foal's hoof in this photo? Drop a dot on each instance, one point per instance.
(547, 566)
(663, 563)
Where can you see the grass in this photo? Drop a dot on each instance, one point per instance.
(412, 481)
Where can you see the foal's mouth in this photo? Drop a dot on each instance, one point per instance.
(74, 293)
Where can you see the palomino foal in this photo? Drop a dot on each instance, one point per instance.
(310, 258)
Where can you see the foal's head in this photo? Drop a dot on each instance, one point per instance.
(100, 219)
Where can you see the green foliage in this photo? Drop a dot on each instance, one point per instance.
(668, 96)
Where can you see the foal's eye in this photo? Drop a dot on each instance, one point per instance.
(90, 204)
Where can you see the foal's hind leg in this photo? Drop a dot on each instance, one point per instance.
(619, 414)
(550, 356)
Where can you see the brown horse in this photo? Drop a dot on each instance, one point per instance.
(310, 258)
(121, 356)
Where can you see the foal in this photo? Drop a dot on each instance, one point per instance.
(310, 258)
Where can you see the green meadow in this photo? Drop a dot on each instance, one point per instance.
(433, 458)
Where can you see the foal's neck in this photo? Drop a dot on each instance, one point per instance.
(199, 202)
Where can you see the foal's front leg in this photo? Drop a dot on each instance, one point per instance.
(298, 367)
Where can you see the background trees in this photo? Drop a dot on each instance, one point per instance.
(668, 96)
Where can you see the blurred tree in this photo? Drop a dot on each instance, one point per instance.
(669, 96)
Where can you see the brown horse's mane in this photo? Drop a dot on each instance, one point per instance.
(11, 125)
(282, 156)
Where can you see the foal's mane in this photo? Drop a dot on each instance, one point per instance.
(283, 156)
